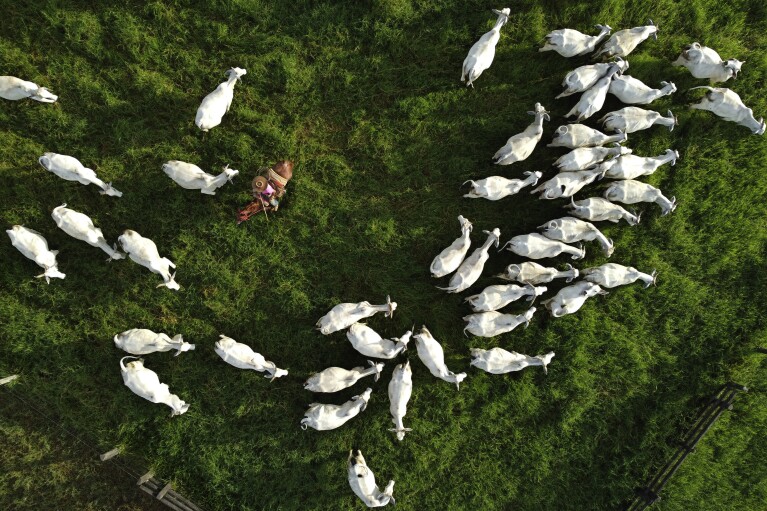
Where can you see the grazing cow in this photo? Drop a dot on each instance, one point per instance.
(490, 324)
(334, 379)
(482, 53)
(242, 356)
(631, 166)
(571, 230)
(140, 341)
(623, 42)
(495, 297)
(632, 192)
(500, 361)
(363, 482)
(584, 158)
(497, 187)
(451, 258)
(613, 275)
(145, 383)
(632, 118)
(538, 246)
(34, 246)
(521, 145)
(368, 342)
(81, 227)
(217, 103)
(192, 177)
(324, 417)
(597, 209)
(631, 91)
(728, 105)
(703, 62)
(344, 315)
(69, 168)
(570, 43)
(431, 354)
(533, 273)
(400, 389)
(583, 78)
(470, 270)
(13, 88)
(567, 184)
(571, 298)
(573, 136)
(593, 99)
(143, 251)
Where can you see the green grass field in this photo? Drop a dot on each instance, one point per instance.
(365, 97)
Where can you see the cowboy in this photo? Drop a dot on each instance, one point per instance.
(268, 190)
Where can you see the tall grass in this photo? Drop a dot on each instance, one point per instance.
(365, 97)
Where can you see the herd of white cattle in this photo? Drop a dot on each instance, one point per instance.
(588, 161)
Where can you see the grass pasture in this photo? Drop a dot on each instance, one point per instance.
(365, 97)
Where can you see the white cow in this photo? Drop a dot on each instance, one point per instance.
(482, 53)
(500, 361)
(368, 342)
(497, 187)
(570, 43)
(431, 354)
(145, 383)
(728, 105)
(143, 251)
(140, 341)
(632, 118)
(631, 166)
(583, 78)
(451, 258)
(217, 103)
(334, 379)
(400, 389)
(623, 42)
(344, 315)
(571, 298)
(579, 135)
(490, 324)
(34, 246)
(631, 192)
(533, 273)
(495, 297)
(567, 184)
(324, 417)
(593, 99)
(704, 62)
(538, 246)
(81, 227)
(572, 230)
(631, 91)
(69, 168)
(13, 88)
(520, 146)
(597, 209)
(470, 270)
(586, 157)
(363, 482)
(242, 356)
(192, 177)
(613, 275)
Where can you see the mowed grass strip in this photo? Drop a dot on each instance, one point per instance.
(366, 99)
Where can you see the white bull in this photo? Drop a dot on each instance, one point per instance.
(593, 99)
(344, 315)
(495, 297)
(631, 91)
(586, 157)
(567, 184)
(580, 135)
(33, 246)
(623, 42)
(538, 246)
(192, 177)
(217, 103)
(571, 298)
(324, 417)
(597, 209)
(363, 482)
(334, 379)
(470, 270)
(140, 341)
(490, 324)
(368, 342)
(631, 192)
(583, 78)
(242, 356)
(451, 258)
(570, 43)
(632, 118)
(704, 62)
(500, 361)
(728, 105)
(145, 383)
(400, 390)
(70, 168)
(520, 146)
(13, 89)
(497, 187)
(431, 354)
(143, 251)
(631, 166)
(81, 227)
(613, 275)
(571, 230)
(533, 273)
